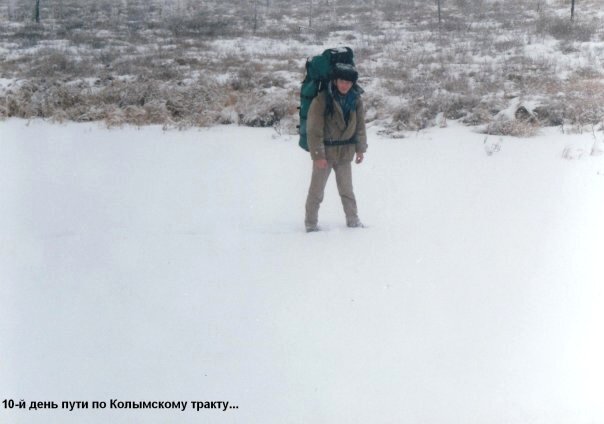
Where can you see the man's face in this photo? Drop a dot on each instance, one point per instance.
(343, 86)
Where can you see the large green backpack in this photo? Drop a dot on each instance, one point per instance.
(319, 71)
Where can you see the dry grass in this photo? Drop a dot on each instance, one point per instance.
(187, 63)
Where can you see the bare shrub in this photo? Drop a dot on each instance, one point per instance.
(86, 113)
(157, 112)
(478, 116)
(85, 38)
(58, 98)
(243, 80)
(509, 44)
(512, 127)
(271, 80)
(374, 106)
(29, 35)
(167, 72)
(457, 106)
(201, 25)
(114, 117)
(564, 29)
(581, 105)
(3, 108)
(135, 115)
(19, 102)
(261, 110)
(551, 113)
(414, 117)
(52, 63)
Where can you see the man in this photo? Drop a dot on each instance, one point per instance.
(336, 136)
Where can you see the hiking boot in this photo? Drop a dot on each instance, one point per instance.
(312, 228)
(355, 223)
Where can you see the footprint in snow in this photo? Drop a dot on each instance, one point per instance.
(492, 146)
(572, 153)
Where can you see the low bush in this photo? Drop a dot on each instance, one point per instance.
(562, 28)
(512, 127)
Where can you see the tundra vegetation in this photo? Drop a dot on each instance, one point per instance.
(508, 66)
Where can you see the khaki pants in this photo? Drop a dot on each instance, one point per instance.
(316, 191)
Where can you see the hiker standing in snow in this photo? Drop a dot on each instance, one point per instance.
(336, 133)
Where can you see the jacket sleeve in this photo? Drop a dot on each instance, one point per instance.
(360, 133)
(315, 127)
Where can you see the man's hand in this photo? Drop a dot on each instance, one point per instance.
(360, 157)
(321, 163)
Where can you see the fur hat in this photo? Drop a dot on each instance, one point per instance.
(345, 71)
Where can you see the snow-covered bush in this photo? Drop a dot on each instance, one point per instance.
(512, 127)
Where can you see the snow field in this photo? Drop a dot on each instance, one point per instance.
(138, 264)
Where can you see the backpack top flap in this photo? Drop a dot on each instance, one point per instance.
(320, 67)
(340, 55)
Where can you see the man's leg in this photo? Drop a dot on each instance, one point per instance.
(315, 195)
(343, 172)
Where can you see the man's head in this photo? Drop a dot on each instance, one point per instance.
(345, 71)
(344, 75)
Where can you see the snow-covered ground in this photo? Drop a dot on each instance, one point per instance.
(143, 265)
